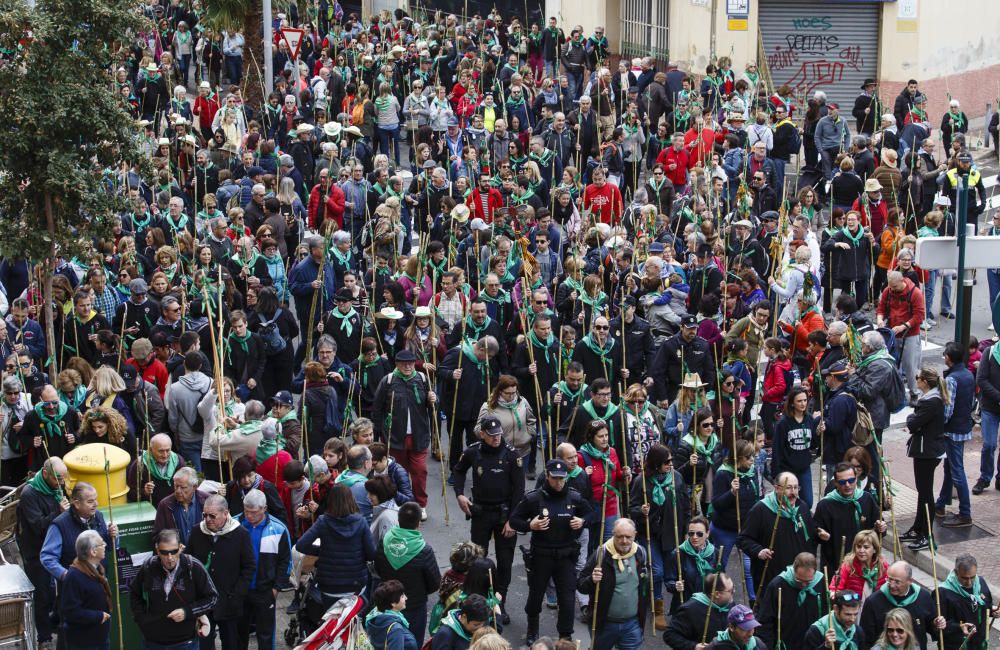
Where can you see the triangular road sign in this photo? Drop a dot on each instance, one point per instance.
(293, 39)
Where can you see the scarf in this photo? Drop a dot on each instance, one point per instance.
(723, 635)
(602, 352)
(513, 408)
(588, 406)
(870, 575)
(38, 483)
(854, 499)
(703, 558)
(564, 389)
(609, 547)
(94, 573)
(453, 622)
(76, 399)
(153, 467)
(242, 340)
(597, 302)
(50, 425)
(703, 598)
(659, 486)
(477, 331)
(790, 513)
(574, 285)
(343, 258)
(545, 345)
(267, 448)
(853, 239)
(788, 575)
(345, 320)
(881, 354)
(701, 448)
(350, 478)
(845, 638)
(905, 602)
(409, 379)
(402, 545)
(390, 612)
(482, 366)
(573, 474)
(749, 475)
(975, 596)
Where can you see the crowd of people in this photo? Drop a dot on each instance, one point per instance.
(633, 320)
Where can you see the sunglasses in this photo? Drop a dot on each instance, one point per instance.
(695, 533)
(895, 630)
(729, 383)
(601, 327)
(846, 481)
(707, 425)
(848, 597)
(174, 551)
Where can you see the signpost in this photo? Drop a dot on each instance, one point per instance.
(293, 39)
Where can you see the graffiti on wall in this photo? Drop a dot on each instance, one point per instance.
(810, 55)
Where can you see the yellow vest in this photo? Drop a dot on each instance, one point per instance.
(952, 176)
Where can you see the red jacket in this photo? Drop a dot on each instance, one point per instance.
(700, 149)
(677, 176)
(774, 380)
(494, 201)
(273, 469)
(155, 373)
(604, 201)
(206, 108)
(906, 306)
(809, 322)
(872, 216)
(850, 578)
(316, 195)
(597, 480)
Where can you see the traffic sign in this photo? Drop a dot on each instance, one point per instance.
(293, 39)
(942, 252)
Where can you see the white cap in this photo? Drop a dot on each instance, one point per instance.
(478, 224)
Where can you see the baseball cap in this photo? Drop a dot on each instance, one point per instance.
(557, 468)
(282, 397)
(837, 369)
(490, 426)
(742, 617)
(129, 373)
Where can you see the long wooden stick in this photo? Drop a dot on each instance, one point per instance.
(436, 428)
(597, 587)
(649, 556)
(114, 550)
(937, 591)
(711, 597)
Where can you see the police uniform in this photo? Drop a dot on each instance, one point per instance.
(553, 551)
(497, 485)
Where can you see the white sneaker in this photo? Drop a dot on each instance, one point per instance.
(423, 514)
(927, 324)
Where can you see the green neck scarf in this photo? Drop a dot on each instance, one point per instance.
(588, 406)
(456, 626)
(545, 345)
(470, 354)
(573, 396)
(975, 596)
(786, 511)
(701, 448)
(597, 303)
(513, 408)
(597, 454)
(855, 239)
(345, 320)
(749, 475)
(659, 485)
(881, 354)
(391, 612)
(903, 602)
(574, 285)
(38, 483)
(788, 575)
(603, 352)
(343, 258)
(165, 475)
(267, 448)
(350, 478)
(573, 474)
(475, 332)
(845, 638)
(705, 600)
(723, 635)
(409, 379)
(402, 545)
(50, 425)
(703, 559)
(243, 343)
(854, 499)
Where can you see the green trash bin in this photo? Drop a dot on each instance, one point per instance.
(135, 534)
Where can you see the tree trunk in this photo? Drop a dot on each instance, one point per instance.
(254, 90)
(50, 334)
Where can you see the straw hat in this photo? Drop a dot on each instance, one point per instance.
(693, 380)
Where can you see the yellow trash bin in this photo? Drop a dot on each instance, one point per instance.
(86, 463)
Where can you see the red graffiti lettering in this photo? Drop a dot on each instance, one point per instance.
(782, 58)
(812, 74)
(852, 56)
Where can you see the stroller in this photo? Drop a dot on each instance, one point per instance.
(342, 626)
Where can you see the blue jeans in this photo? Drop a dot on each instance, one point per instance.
(576, 85)
(388, 142)
(954, 476)
(806, 486)
(656, 559)
(187, 645)
(945, 293)
(993, 280)
(624, 636)
(727, 540)
(191, 451)
(234, 69)
(779, 174)
(989, 424)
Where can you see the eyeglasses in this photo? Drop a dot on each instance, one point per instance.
(210, 516)
(729, 383)
(164, 551)
(12, 392)
(696, 533)
(847, 481)
(608, 394)
(895, 630)
(637, 401)
(541, 302)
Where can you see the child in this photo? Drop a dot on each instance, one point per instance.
(775, 384)
(736, 363)
(863, 570)
(975, 356)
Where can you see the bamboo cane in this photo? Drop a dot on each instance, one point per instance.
(114, 553)
(454, 399)
(436, 427)
(597, 587)
(711, 597)
(770, 545)
(778, 643)
(937, 591)
(649, 556)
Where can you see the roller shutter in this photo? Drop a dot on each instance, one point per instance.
(828, 46)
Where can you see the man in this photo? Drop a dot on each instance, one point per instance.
(43, 499)
(636, 338)
(681, 354)
(58, 550)
(899, 591)
(966, 605)
(867, 107)
(461, 623)
(905, 101)
(961, 386)
(80, 330)
(359, 466)
(988, 382)
(804, 597)
(450, 304)
(764, 199)
(223, 546)
(338, 374)
(687, 629)
(479, 323)
(554, 514)
(739, 635)
(181, 511)
(602, 198)
(304, 281)
(403, 414)
(182, 409)
(497, 486)
(344, 324)
(49, 429)
(977, 200)
(841, 631)
(840, 413)
(843, 512)
(467, 370)
(901, 308)
(743, 246)
(286, 422)
(759, 162)
(600, 355)
(565, 396)
(168, 594)
(618, 568)
(246, 478)
(675, 161)
(24, 333)
(831, 137)
(704, 278)
(272, 548)
(406, 556)
(875, 382)
(598, 407)
(777, 529)
(143, 401)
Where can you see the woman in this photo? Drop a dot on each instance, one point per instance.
(837, 221)
(926, 446)
(661, 499)
(643, 423)
(778, 367)
(267, 316)
(600, 461)
(72, 391)
(385, 624)
(387, 110)
(699, 452)
(85, 596)
(208, 409)
(889, 242)
(898, 632)
(275, 269)
(516, 418)
(697, 559)
(106, 425)
(104, 390)
(795, 438)
(735, 489)
(424, 338)
(863, 570)
(847, 186)
(678, 418)
(385, 511)
(293, 211)
(727, 407)
(316, 397)
(346, 543)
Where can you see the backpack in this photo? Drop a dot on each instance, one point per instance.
(270, 334)
(863, 433)
(358, 115)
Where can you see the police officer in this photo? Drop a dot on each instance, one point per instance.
(497, 486)
(555, 515)
(951, 183)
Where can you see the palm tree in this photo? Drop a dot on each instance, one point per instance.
(247, 17)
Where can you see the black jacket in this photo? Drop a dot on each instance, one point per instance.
(638, 346)
(922, 611)
(586, 585)
(926, 426)
(35, 512)
(724, 501)
(815, 639)
(229, 560)
(957, 608)
(687, 626)
(796, 617)
(788, 542)
(988, 381)
(546, 362)
(420, 575)
(243, 365)
(55, 445)
(275, 506)
(471, 387)
(662, 520)
(837, 519)
(562, 506)
(666, 368)
(403, 404)
(192, 591)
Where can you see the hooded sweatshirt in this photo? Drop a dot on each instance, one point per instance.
(342, 565)
(182, 405)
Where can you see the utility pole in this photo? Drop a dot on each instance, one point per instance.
(268, 54)
(963, 324)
